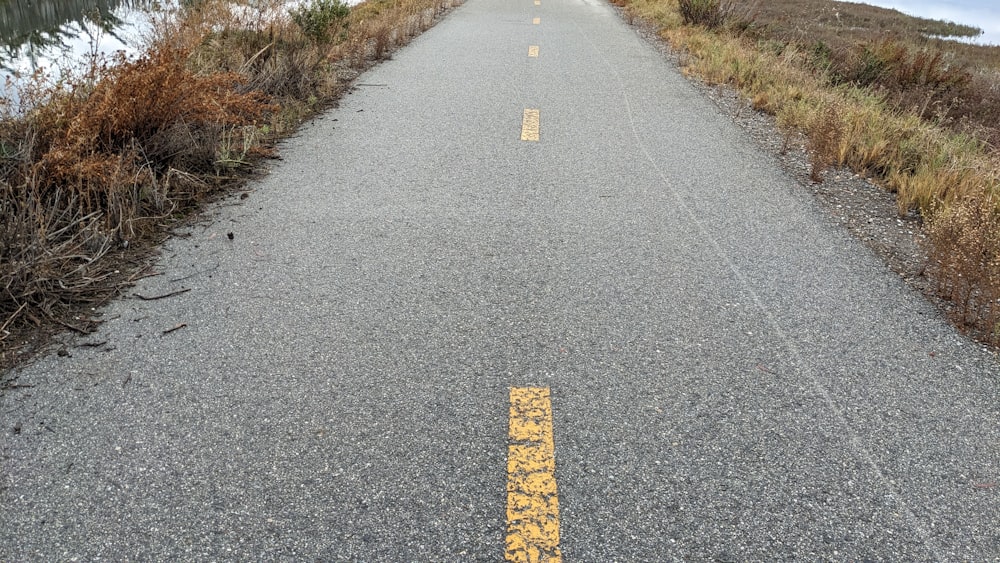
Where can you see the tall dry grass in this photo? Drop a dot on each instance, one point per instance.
(95, 169)
(966, 261)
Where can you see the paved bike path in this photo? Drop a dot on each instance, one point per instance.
(732, 377)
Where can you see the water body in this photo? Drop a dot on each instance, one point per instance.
(53, 34)
(984, 14)
(56, 35)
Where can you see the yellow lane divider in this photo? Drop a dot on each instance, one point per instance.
(538, 2)
(533, 50)
(532, 502)
(536, 21)
(530, 125)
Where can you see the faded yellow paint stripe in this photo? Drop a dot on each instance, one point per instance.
(538, 2)
(530, 125)
(533, 50)
(532, 499)
(536, 21)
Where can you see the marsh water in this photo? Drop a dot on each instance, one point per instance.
(52, 34)
(984, 14)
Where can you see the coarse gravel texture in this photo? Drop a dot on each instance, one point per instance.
(734, 376)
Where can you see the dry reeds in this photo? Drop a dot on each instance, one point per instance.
(966, 261)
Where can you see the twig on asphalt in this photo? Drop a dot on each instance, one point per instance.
(164, 296)
(178, 327)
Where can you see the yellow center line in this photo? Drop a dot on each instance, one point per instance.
(536, 21)
(533, 50)
(532, 499)
(538, 2)
(530, 125)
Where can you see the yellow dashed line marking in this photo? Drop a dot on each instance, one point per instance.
(530, 125)
(538, 2)
(532, 502)
(536, 21)
(533, 51)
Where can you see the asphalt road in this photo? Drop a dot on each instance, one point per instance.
(732, 376)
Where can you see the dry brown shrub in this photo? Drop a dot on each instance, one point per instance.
(133, 105)
(965, 259)
(382, 40)
(825, 135)
(707, 13)
(716, 13)
(51, 250)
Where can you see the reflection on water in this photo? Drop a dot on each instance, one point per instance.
(56, 33)
(984, 14)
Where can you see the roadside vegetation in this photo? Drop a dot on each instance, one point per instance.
(873, 90)
(97, 167)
